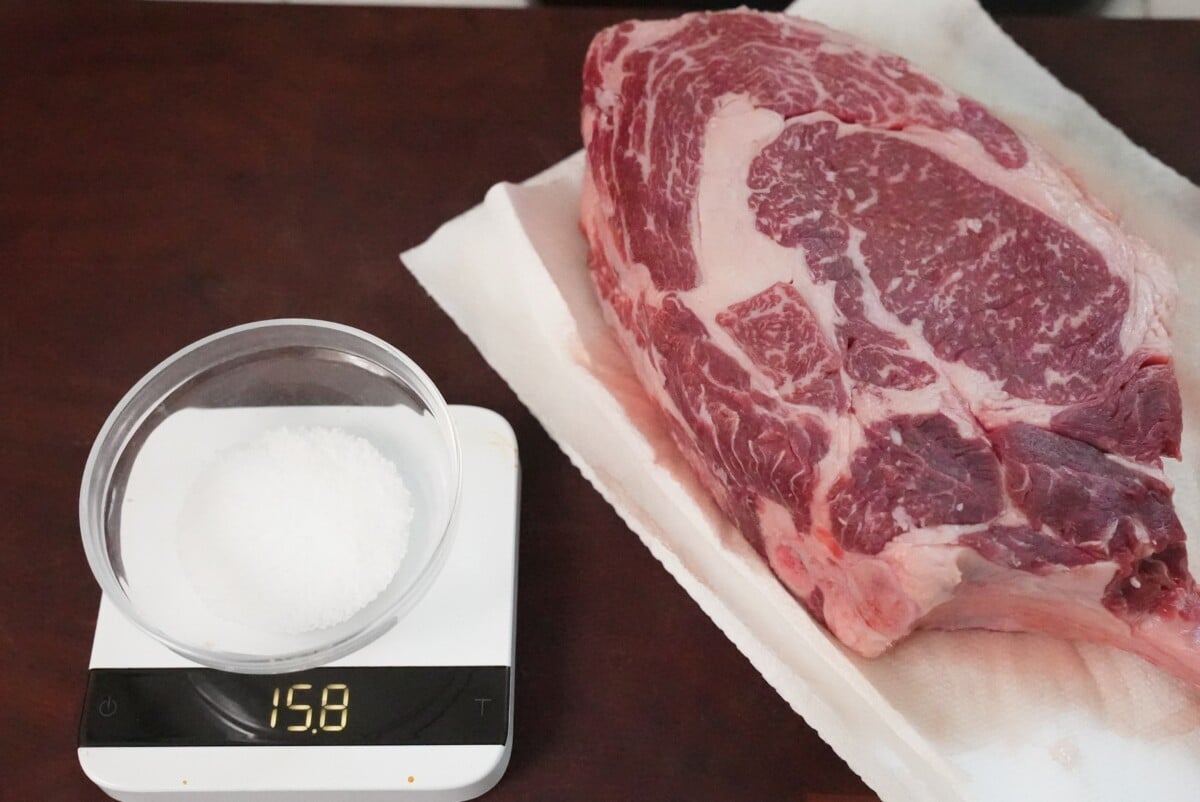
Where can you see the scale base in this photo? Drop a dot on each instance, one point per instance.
(466, 619)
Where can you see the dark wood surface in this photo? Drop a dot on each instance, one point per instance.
(167, 170)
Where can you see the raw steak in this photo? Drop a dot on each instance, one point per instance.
(923, 372)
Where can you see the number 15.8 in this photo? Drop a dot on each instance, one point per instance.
(335, 707)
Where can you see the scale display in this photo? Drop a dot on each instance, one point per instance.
(348, 706)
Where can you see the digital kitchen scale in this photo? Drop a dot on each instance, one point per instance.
(424, 711)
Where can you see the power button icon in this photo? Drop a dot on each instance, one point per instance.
(108, 707)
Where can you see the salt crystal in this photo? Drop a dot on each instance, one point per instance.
(295, 530)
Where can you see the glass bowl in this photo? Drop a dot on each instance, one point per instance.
(218, 393)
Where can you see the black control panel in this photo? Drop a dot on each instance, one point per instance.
(322, 707)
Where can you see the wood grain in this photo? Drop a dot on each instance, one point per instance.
(167, 170)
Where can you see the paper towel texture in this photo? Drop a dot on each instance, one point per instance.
(943, 716)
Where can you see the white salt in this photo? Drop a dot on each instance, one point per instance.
(295, 530)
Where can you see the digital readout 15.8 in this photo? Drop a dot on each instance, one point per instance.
(334, 707)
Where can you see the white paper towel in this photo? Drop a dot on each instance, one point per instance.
(944, 716)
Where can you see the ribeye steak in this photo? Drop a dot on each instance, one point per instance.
(927, 376)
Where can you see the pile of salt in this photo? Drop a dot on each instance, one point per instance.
(295, 530)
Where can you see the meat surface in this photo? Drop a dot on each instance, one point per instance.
(926, 375)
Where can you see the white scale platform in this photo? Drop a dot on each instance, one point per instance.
(467, 618)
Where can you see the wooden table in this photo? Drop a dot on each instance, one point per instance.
(167, 170)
